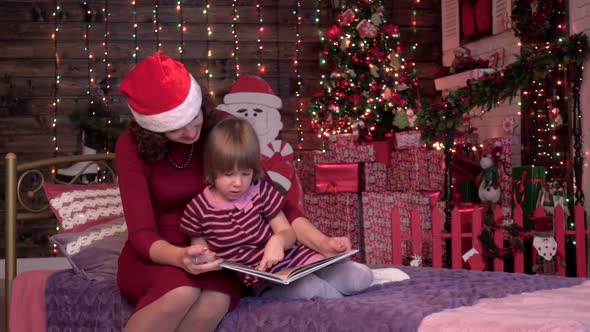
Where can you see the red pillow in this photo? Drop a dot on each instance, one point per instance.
(78, 207)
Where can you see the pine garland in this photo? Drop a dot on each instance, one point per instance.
(444, 115)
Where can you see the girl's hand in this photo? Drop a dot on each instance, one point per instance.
(333, 245)
(198, 259)
(273, 253)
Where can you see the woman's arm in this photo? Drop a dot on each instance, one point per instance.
(143, 233)
(311, 237)
(136, 200)
(163, 252)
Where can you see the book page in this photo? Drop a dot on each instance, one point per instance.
(303, 270)
(288, 275)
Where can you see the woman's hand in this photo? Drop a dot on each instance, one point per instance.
(274, 252)
(333, 245)
(198, 259)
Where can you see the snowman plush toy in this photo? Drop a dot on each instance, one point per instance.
(252, 98)
(489, 184)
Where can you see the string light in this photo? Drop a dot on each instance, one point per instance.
(57, 17)
(234, 31)
(156, 22)
(57, 75)
(298, 111)
(259, 48)
(106, 82)
(208, 73)
(89, 59)
(414, 45)
(545, 108)
(181, 29)
(135, 52)
(315, 111)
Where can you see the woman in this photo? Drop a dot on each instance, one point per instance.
(158, 160)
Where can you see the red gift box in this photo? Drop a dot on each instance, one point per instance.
(336, 178)
(375, 177)
(408, 139)
(417, 169)
(377, 210)
(335, 215)
(305, 168)
(345, 148)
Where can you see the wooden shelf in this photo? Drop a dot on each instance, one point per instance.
(459, 80)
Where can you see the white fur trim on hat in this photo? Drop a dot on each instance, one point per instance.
(253, 98)
(175, 118)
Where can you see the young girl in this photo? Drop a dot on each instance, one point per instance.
(239, 217)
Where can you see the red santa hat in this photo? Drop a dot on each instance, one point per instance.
(162, 94)
(251, 89)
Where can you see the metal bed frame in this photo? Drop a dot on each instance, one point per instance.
(18, 205)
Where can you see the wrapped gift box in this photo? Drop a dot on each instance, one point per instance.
(305, 168)
(336, 178)
(408, 139)
(417, 169)
(375, 177)
(527, 182)
(377, 209)
(345, 148)
(335, 215)
(504, 170)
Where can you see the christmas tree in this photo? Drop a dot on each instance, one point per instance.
(368, 87)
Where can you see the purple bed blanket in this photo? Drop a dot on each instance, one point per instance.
(73, 303)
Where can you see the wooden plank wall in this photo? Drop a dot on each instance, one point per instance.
(28, 67)
(28, 71)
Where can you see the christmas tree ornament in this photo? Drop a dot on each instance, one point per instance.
(508, 124)
(347, 17)
(366, 29)
(545, 244)
(376, 19)
(411, 117)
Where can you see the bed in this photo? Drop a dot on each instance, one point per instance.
(402, 298)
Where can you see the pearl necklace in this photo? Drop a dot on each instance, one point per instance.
(190, 156)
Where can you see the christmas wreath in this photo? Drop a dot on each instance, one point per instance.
(513, 241)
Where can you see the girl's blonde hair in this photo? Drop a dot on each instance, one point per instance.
(232, 142)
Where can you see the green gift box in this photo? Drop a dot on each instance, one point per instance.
(527, 182)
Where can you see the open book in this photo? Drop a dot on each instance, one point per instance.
(287, 276)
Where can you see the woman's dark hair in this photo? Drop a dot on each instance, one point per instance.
(153, 146)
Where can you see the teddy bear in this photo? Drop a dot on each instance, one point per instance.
(461, 54)
(252, 98)
(488, 181)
